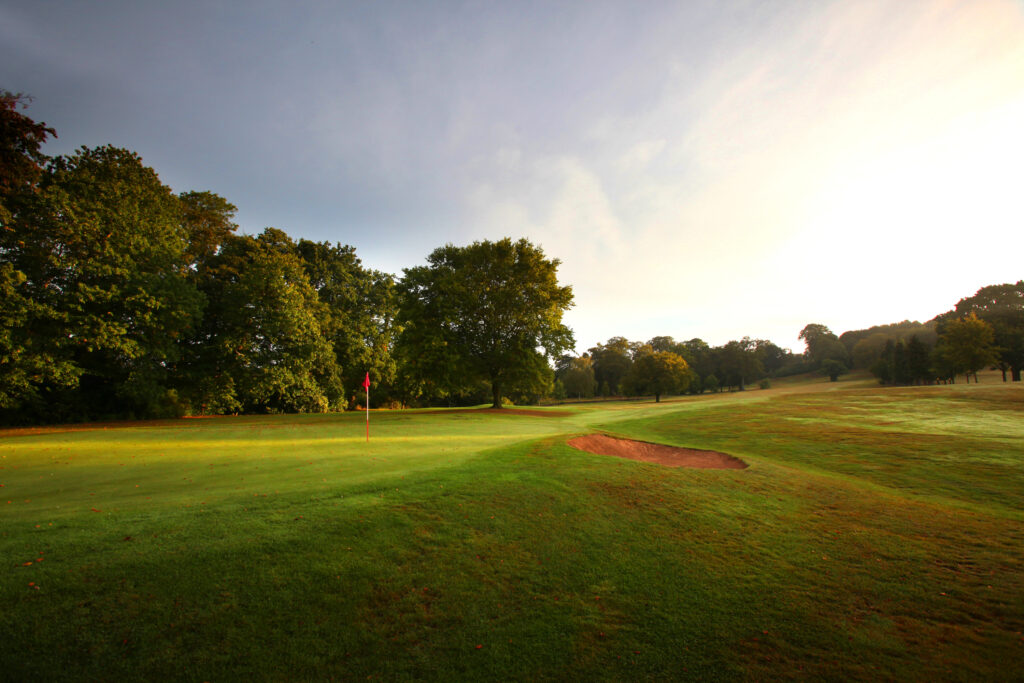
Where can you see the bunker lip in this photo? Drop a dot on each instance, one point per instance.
(670, 456)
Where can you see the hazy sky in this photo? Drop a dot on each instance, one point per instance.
(711, 169)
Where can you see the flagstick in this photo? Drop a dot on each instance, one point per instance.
(366, 386)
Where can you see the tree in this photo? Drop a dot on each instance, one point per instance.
(738, 363)
(262, 346)
(772, 357)
(703, 363)
(360, 308)
(833, 369)
(30, 358)
(484, 311)
(611, 361)
(1002, 307)
(578, 378)
(918, 361)
(658, 372)
(21, 156)
(102, 250)
(867, 350)
(207, 219)
(967, 345)
(822, 344)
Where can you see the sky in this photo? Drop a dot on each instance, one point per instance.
(701, 169)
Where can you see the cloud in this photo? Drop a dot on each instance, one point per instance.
(802, 178)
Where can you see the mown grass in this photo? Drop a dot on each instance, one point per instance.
(877, 534)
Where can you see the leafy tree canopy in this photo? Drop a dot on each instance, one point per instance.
(658, 372)
(611, 361)
(1002, 307)
(966, 344)
(490, 310)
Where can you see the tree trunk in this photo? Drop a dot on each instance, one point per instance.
(1015, 373)
(657, 398)
(496, 394)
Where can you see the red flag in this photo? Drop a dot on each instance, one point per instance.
(366, 386)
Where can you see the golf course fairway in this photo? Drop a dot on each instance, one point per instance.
(877, 533)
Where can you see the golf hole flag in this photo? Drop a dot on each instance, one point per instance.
(366, 386)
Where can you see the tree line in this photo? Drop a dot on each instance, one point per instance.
(120, 298)
(662, 366)
(983, 330)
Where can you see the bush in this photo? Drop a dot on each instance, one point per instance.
(833, 369)
(765, 384)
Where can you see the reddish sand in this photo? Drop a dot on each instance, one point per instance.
(669, 456)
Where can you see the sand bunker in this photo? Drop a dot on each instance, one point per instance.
(669, 456)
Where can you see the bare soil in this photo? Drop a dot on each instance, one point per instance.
(670, 456)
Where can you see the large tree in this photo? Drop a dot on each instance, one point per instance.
(738, 363)
(21, 156)
(612, 361)
(360, 307)
(578, 378)
(822, 344)
(966, 344)
(657, 372)
(1002, 307)
(488, 311)
(208, 221)
(103, 252)
(30, 359)
(262, 346)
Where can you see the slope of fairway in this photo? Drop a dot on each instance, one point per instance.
(877, 534)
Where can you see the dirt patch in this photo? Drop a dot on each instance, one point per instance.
(669, 456)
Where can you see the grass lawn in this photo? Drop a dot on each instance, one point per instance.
(877, 534)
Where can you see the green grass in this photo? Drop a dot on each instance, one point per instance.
(877, 535)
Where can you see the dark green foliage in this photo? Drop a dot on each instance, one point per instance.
(657, 372)
(359, 314)
(21, 156)
(30, 330)
(899, 363)
(738, 363)
(578, 378)
(771, 356)
(208, 222)
(611, 361)
(966, 345)
(865, 346)
(823, 345)
(103, 254)
(833, 368)
(481, 312)
(262, 347)
(1001, 307)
